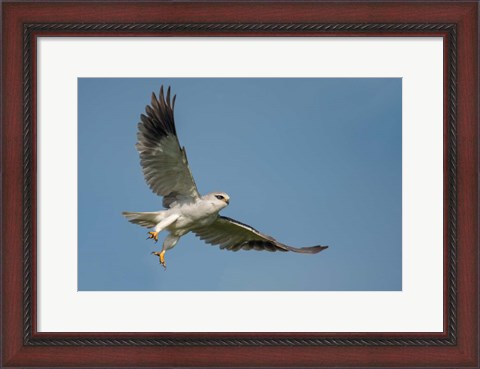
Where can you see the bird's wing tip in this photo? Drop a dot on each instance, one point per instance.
(307, 250)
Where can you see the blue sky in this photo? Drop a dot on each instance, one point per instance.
(307, 161)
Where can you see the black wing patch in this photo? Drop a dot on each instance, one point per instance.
(159, 121)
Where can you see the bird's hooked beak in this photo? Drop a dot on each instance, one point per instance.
(227, 200)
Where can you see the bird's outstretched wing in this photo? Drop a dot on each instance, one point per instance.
(232, 235)
(164, 162)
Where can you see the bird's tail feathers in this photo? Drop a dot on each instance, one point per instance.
(307, 250)
(145, 219)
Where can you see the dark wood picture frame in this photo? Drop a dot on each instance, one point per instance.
(23, 22)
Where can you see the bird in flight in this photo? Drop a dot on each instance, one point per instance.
(165, 167)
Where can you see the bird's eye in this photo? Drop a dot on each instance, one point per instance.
(220, 197)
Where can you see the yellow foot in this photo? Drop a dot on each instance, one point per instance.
(153, 235)
(161, 255)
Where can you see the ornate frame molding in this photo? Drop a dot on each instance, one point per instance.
(243, 29)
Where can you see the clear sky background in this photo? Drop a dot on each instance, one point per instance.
(307, 161)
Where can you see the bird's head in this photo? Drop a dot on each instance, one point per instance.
(219, 199)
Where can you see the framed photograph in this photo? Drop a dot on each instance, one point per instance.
(240, 184)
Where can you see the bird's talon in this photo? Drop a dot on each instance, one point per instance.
(153, 235)
(161, 255)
